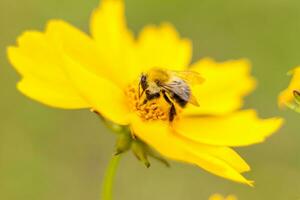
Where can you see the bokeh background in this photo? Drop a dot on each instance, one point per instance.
(49, 154)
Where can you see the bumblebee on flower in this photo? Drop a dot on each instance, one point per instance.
(147, 87)
(173, 87)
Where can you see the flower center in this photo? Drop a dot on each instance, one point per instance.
(156, 108)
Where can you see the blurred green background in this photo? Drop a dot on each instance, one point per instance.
(49, 154)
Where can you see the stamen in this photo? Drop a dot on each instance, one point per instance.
(150, 110)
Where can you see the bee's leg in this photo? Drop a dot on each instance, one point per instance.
(172, 111)
(150, 96)
(180, 101)
(166, 97)
(153, 96)
(145, 101)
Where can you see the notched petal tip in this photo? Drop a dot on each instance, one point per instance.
(112, 11)
(270, 126)
(265, 128)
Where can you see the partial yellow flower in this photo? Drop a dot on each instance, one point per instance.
(220, 197)
(289, 97)
(65, 68)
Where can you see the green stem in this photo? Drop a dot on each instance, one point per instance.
(107, 188)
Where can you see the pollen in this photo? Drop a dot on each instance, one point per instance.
(156, 109)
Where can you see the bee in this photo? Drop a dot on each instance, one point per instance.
(173, 86)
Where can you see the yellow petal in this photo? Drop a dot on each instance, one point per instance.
(220, 197)
(231, 197)
(238, 129)
(287, 96)
(36, 56)
(38, 61)
(224, 87)
(103, 95)
(77, 44)
(161, 46)
(216, 197)
(220, 161)
(108, 25)
(229, 156)
(54, 96)
(82, 49)
(115, 42)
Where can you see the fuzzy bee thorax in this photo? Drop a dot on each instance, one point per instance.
(158, 75)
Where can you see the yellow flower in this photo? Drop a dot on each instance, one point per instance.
(65, 68)
(290, 96)
(220, 197)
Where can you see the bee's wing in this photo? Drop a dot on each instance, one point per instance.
(193, 100)
(182, 89)
(191, 77)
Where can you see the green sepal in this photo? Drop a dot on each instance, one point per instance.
(294, 106)
(297, 96)
(109, 124)
(159, 158)
(123, 143)
(140, 151)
